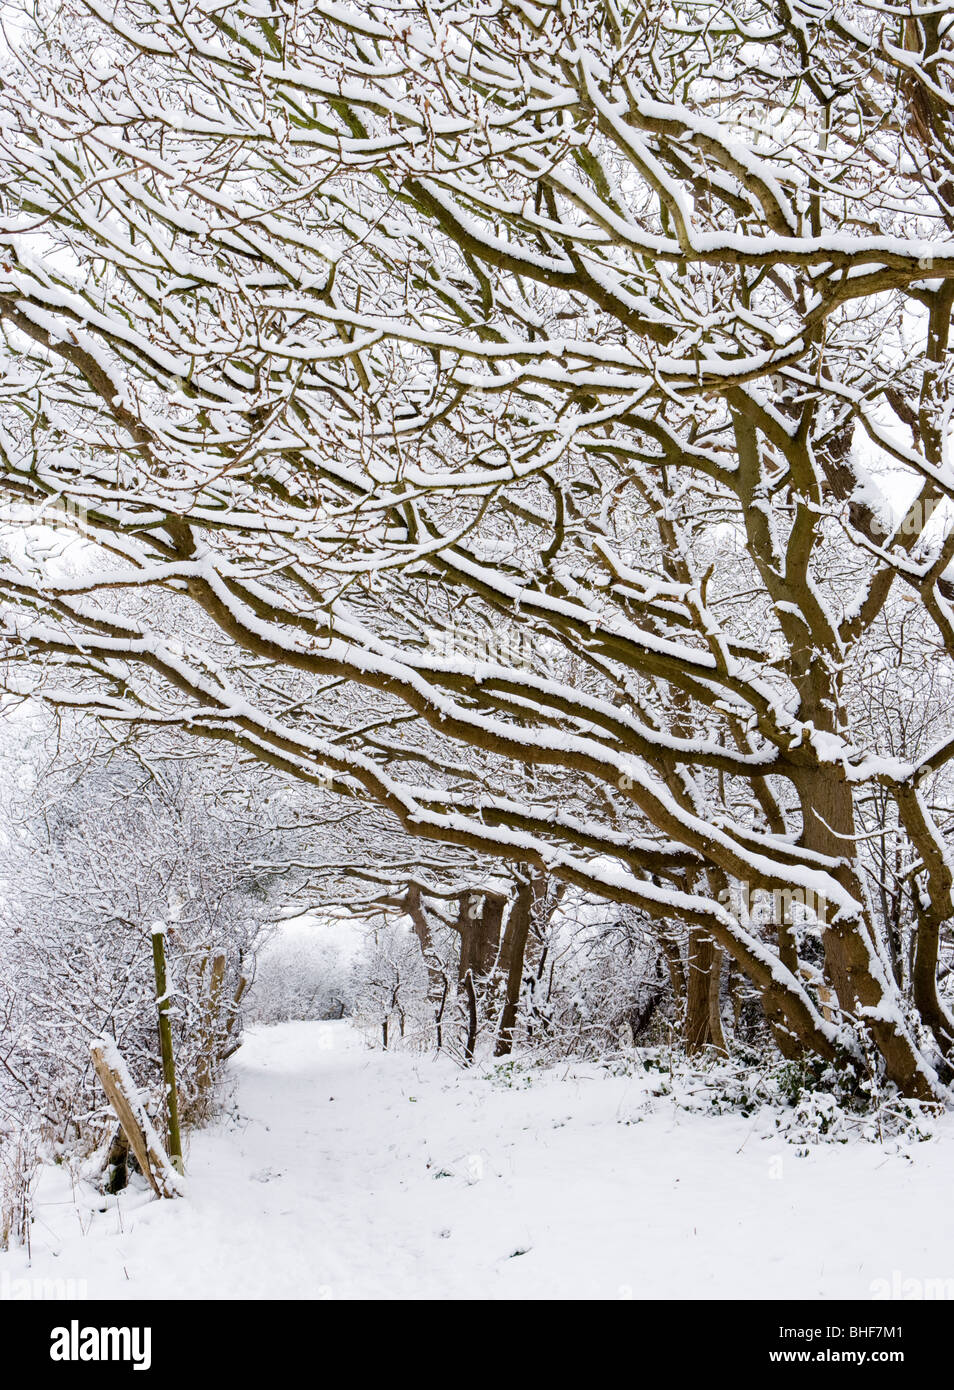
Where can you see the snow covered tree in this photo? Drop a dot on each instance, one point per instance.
(528, 416)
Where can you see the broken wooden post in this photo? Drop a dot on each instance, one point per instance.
(126, 1101)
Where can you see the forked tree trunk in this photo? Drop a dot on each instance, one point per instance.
(864, 986)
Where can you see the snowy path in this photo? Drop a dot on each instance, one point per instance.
(348, 1173)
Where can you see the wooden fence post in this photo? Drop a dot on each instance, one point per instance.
(165, 1046)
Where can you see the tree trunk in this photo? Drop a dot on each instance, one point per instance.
(165, 1047)
(436, 975)
(716, 1033)
(703, 961)
(512, 954)
(479, 923)
(865, 989)
(470, 994)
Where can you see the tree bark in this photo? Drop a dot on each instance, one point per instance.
(703, 961)
(864, 989)
(512, 953)
(165, 1047)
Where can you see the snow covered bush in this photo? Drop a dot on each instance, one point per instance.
(806, 1103)
(94, 859)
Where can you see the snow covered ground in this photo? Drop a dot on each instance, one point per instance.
(342, 1172)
